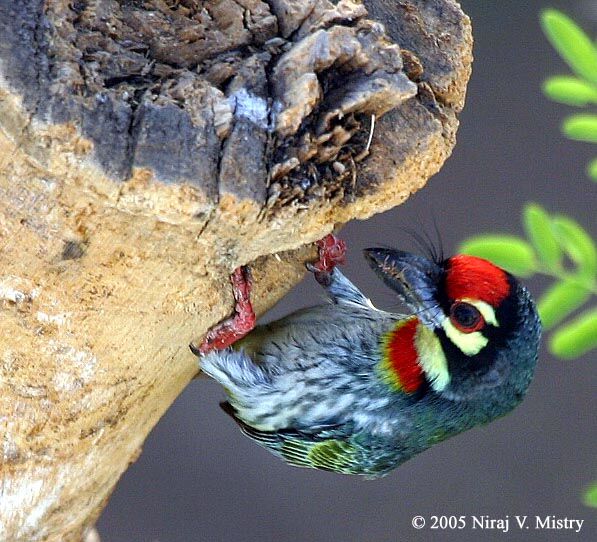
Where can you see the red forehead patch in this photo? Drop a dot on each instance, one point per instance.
(475, 278)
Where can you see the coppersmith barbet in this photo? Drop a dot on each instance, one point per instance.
(349, 388)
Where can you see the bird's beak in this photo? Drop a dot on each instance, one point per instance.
(414, 278)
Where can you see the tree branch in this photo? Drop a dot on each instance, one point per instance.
(149, 148)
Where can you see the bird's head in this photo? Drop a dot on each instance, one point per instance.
(474, 334)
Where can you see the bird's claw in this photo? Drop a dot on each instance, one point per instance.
(232, 329)
(332, 252)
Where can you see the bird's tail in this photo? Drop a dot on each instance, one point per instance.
(235, 370)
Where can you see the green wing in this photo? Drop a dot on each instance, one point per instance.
(330, 448)
(331, 454)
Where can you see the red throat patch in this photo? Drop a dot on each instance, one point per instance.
(400, 357)
(474, 278)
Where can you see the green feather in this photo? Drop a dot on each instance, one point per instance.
(327, 447)
(334, 455)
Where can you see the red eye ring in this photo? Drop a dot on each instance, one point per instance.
(466, 317)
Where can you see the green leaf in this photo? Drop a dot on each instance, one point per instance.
(590, 496)
(559, 301)
(592, 169)
(537, 225)
(576, 338)
(570, 90)
(512, 253)
(573, 45)
(578, 244)
(581, 127)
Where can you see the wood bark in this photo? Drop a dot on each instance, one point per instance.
(147, 148)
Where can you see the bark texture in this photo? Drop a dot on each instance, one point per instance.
(147, 148)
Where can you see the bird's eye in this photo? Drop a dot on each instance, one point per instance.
(466, 317)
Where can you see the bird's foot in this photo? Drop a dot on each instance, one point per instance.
(232, 329)
(332, 252)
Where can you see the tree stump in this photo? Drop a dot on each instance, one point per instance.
(147, 148)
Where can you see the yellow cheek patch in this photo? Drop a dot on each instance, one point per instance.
(469, 343)
(431, 358)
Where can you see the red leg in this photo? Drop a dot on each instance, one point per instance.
(232, 329)
(332, 252)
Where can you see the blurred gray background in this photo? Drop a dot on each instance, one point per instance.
(199, 479)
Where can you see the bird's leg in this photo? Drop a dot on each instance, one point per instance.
(232, 329)
(332, 251)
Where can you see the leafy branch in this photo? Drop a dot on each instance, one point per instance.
(580, 90)
(590, 495)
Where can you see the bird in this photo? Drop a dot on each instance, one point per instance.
(349, 388)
